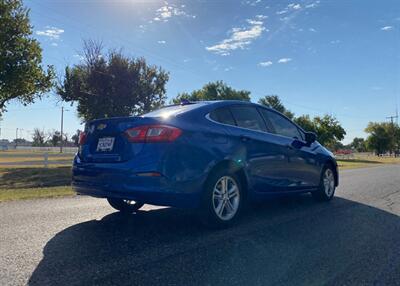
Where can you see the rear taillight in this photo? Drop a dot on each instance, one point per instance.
(153, 133)
(82, 138)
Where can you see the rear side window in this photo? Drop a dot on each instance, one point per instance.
(281, 125)
(248, 117)
(222, 115)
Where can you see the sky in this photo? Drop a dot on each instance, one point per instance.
(337, 57)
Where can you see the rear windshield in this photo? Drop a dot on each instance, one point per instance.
(172, 110)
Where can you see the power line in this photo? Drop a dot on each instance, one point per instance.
(392, 118)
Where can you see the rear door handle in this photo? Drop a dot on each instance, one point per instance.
(289, 146)
(244, 138)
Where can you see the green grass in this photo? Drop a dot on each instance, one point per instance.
(28, 159)
(28, 183)
(34, 193)
(19, 178)
(365, 162)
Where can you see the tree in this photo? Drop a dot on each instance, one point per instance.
(54, 138)
(214, 91)
(75, 137)
(22, 76)
(112, 85)
(328, 129)
(384, 137)
(39, 138)
(359, 144)
(305, 122)
(273, 101)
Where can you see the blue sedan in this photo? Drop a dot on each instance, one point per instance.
(213, 156)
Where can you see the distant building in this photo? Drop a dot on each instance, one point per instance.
(4, 143)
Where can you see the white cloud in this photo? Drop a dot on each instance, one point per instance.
(284, 60)
(167, 11)
(240, 38)
(334, 42)
(265, 64)
(161, 42)
(54, 44)
(312, 30)
(282, 12)
(387, 28)
(290, 7)
(51, 32)
(313, 5)
(294, 6)
(261, 17)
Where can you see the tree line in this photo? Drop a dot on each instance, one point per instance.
(53, 138)
(109, 84)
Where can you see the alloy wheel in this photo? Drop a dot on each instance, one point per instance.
(329, 182)
(226, 198)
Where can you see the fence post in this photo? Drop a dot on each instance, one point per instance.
(46, 159)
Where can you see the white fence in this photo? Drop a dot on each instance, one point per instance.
(72, 150)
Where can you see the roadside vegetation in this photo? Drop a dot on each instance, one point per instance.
(25, 181)
(365, 161)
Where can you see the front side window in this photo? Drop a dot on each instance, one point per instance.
(248, 117)
(222, 115)
(281, 125)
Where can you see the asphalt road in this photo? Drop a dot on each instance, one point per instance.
(353, 240)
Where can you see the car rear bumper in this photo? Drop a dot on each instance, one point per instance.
(119, 181)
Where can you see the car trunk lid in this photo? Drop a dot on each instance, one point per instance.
(107, 142)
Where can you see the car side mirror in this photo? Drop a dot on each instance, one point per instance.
(311, 137)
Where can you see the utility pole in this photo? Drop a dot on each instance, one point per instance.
(62, 127)
(392, 125)
(392, 118)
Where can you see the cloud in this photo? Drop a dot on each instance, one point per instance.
(253, 3)
(284, 60)
(167, 11)
(282, 12)
(54, 44)
(162, 42)
(51, 32)
(312, 30)
(240, 38)
(313, 5)
(387, 28)
(294, 6)
(333, 42)
(290, 7)
(265, 64)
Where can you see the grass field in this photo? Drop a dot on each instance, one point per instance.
(31, 182)
(25, 180)
(363, 161)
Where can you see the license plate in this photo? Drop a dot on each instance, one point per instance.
(105, 144)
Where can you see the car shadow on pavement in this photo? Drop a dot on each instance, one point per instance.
(290, 241)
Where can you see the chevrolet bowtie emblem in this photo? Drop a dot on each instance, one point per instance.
(101, 126)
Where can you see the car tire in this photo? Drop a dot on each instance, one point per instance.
(327, 187)
(222, 201)
(125, 206)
